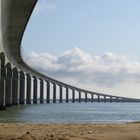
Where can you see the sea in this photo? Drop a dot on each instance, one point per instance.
(72, 113)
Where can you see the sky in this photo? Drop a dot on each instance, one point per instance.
(93, 44)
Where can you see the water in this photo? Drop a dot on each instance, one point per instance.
(73, 113)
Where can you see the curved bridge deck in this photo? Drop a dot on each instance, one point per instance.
(20, 84)
(18, 87)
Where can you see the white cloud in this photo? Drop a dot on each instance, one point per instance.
(107, 70)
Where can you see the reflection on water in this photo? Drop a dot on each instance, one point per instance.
(72, 113)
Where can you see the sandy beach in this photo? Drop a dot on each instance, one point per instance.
(18, 131)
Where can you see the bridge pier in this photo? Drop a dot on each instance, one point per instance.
(67, 95)
(22, 88)
(104, 99)
(54, 93)
(48, 92)
(60, 90)
(98, 98)
(28, 87)
(121, 100)
(8, 87)
(129, 100)
(15, 87)
(92, 97)
(41, 91)
(85, 97)
(35, 90)
(73, 95)
(79, 96)
(117, 99)
(2, 81)
(110, 99)
(2, 89)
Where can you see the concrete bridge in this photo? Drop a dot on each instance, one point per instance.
(19, 82)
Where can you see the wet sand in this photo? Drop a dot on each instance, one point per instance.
(18, 131)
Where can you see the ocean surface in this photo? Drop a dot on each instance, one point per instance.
(73, 113)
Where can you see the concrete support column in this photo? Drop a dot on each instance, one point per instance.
(92, 97)
(2, 87)
(35, 90)
(85, 97)
(15, 87)
(117, 99)
(98, 98)
(110, 99)
(121, 100)
(48, 92)
(133, 100)
(28, 89)
(104, 99)
(8, 87)
(22, 88)
(130, 100)
(79, 96)
(67, 95)
(61, 94)
(41, 91)
(54, 93)
(73, 95)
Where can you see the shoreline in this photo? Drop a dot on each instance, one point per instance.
(69, 131)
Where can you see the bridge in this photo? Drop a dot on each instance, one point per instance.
(18, 80)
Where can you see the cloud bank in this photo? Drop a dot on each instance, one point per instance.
(106, 70)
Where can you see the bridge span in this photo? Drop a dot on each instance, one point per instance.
(19, 82)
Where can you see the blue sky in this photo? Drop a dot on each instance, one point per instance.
(95, 26)
(89, 32)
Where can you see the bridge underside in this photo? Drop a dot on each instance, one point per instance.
(19, 84)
